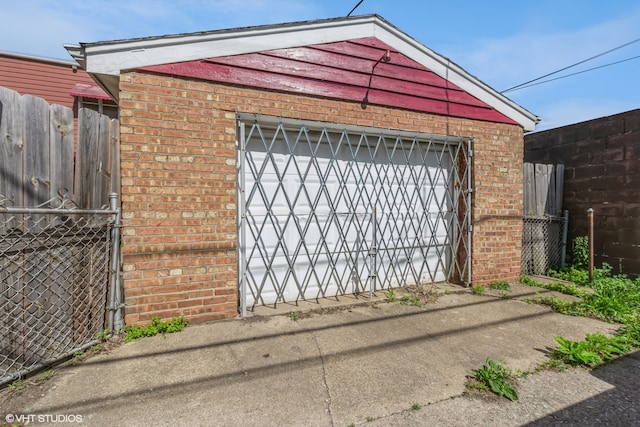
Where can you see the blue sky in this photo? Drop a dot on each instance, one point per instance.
(503, 43)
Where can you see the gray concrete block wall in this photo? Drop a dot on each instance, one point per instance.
(602, 171)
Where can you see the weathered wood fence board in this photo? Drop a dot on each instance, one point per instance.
(529, 184)
(52, 290)
(11, 137)
(543, 225)
(115, 155)
(61, 149)
(36, 152)
(38, 157)
(559, 189)
(543, 189)
(93, 183)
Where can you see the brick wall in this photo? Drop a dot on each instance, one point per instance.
(498, 203)
(602, 171)
(179, 188)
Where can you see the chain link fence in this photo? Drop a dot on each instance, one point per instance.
(55, 269)
(543, 244)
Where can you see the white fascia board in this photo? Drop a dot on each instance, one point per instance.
(112, 57)
(450, 71)
(76, 53)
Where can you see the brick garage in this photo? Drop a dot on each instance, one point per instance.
(602, 171)
(179, 158)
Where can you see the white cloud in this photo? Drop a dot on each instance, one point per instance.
(37, 28)
(512, 60)
(41, 27)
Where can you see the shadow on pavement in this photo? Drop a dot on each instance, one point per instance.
(239, 376)
(619, 406)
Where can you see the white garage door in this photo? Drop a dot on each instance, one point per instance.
(327, 210)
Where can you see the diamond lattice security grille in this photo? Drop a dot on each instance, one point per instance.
(327, 210)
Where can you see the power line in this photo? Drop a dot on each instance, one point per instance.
(354, 8)
(569, 75)
(570, 66)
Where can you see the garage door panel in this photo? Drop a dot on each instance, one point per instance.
(317, 201)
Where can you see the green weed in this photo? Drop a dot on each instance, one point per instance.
(569, 308)
(17, 385)
(294, 315)
(478, 290)
(104, 334)
(500, 286)
(156, 327)
(45, 375)
(613, 299)
(494, 377)
(555, 364)
(594, 350)
(571, 274)
(631, 332)
(567, 289)
(20, 384)
(580, 259)
(416, 407)
(527, 280)
(410, 300)
(391, 295)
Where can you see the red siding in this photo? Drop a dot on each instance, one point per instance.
(346, 70)
(49, 80)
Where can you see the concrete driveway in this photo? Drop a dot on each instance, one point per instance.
(364, 364)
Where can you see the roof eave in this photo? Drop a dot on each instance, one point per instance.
(38, 58)
(105, 60)
(113, 56)
(452, 72)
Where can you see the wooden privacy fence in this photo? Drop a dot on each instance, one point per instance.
(543, 189)
(544, 236)
(39, 161)
(59, 240)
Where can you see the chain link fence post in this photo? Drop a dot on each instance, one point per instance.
(116, 320)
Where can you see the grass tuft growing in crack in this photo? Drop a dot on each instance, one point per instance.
(529, 281)
(614, 299)
(594, 350)
(495, 378)
(410, 300)
(478, 290)
(294, 315)
(611, 298)
(156, 327)
(500, 286)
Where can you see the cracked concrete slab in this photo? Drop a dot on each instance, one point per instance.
(352, 365)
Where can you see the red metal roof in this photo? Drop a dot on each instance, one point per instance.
(349, 70)
(92, 91)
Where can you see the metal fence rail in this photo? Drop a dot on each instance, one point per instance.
(55, 270)
(543, 244)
